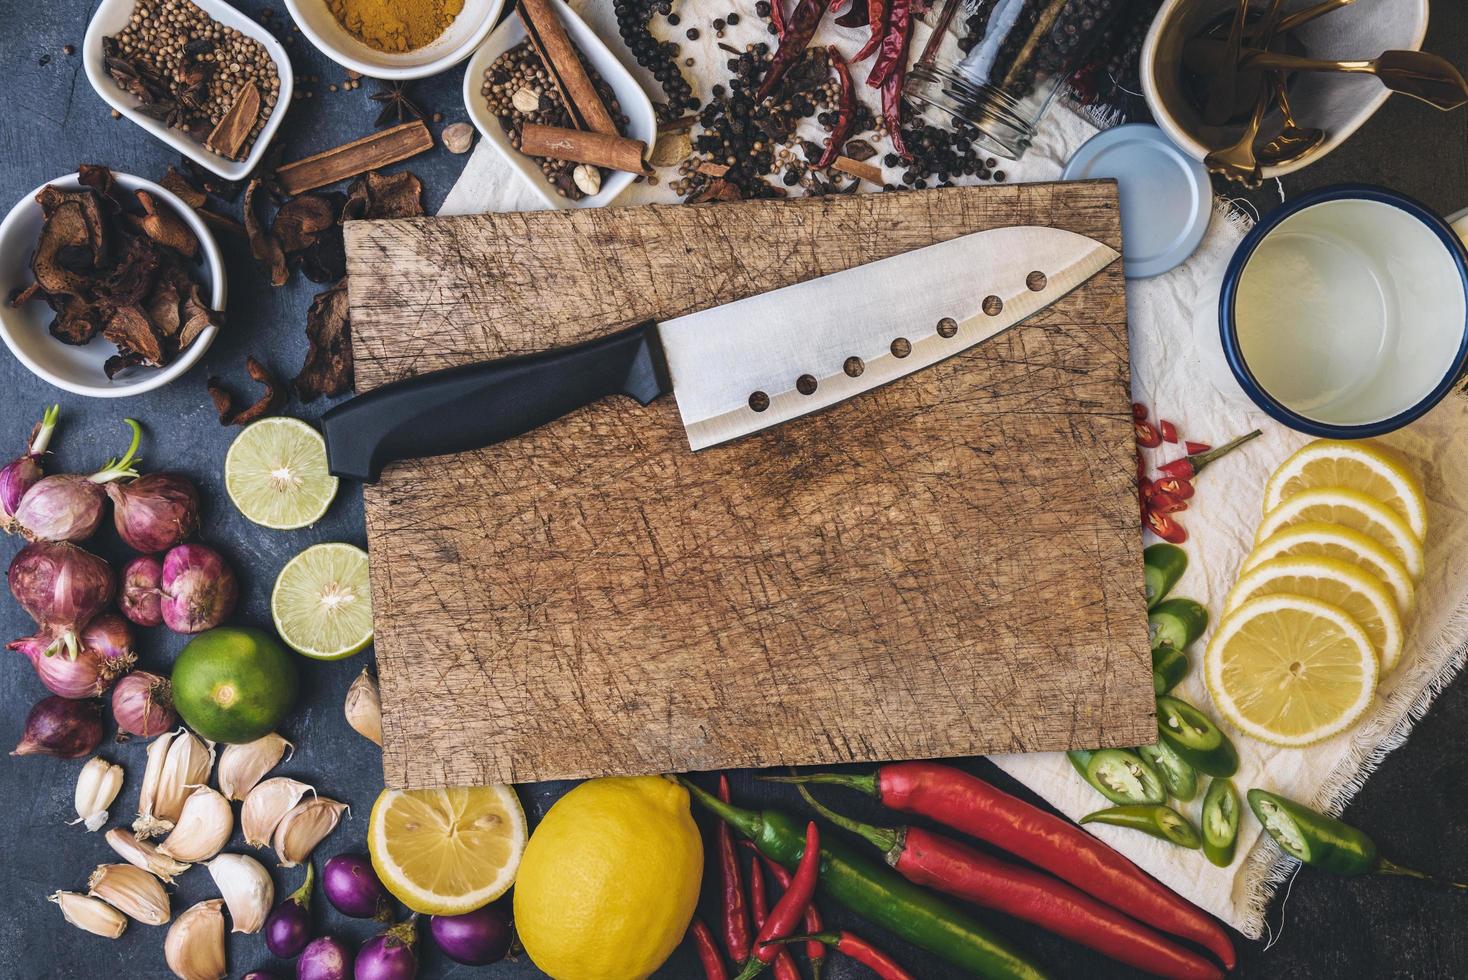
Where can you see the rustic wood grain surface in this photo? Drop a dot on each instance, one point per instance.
(949, 565)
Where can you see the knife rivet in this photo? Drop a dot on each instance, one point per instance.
(806, 384)
(947, 327)
(993, 305)
(901, 347)
(759, 401)
(853, 367)
(1036, 281)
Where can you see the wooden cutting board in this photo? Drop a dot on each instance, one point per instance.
(950, 565)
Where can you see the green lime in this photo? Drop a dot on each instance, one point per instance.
(322, 603)
(233, 684)
(276, 473)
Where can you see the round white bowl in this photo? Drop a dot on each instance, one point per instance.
(78, 369)
(322, 29)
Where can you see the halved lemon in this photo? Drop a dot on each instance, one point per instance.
(447, 851)
(1372, 470)
(276, 473)
(322, 602)
(1290, 670)
(1316, 538)
(1352, 509)
(1344, 586)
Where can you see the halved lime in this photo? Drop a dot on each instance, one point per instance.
(322, 603)
(275, 472)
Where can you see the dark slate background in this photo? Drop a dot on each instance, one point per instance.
(50, 120)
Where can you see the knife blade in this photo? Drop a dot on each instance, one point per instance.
(740, 367)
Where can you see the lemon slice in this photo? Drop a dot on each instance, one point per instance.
(275, 472)
(1344, 586)
(1289, 670)
(322, 602)
(1342, 543)
(1352, 509)
(1355, 466)
(447, 851)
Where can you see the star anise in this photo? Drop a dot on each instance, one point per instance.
(397, 107)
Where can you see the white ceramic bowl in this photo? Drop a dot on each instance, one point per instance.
(112, 16)
(78, 369)
(322, 29)
(1337, 103)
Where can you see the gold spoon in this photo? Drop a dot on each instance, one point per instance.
(1418, 74)
(1292, 141)
(1237, 162)
(1300, 17)
(1223, 91)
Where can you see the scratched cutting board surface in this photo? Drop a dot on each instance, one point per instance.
(949, 565)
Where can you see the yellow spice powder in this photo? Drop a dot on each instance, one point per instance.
(395, 26)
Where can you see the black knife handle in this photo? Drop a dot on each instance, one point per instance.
(477, 405)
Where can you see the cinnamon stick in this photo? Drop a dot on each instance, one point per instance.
(229, 134)
(549, 38)
(857, 168)
(597, 149)
(373, 152)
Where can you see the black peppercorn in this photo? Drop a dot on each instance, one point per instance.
(691, 34)
(732, 19)
(673, 19)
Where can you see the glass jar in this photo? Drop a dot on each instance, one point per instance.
(997, 64)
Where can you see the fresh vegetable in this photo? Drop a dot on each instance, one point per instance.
(1189, 466)
(198, 590)
(814, 951)
(789, 910)
(363, 706)
(70, 506)
(233, 684)
(1220, 822)
(1155, 819)
(142, 705)
(97, 785)
(1164, 526)
(475, 938)
(1179, 778)
(845, 108)
(24, 472)
(1167, 430)
(326, 958)
(977, 808)
(288, 929)
(1146, 434)
(193, 947)
(322, 602)
(276, 473)
(1196, 738)
(799, 30)
(155, 512)
(390, 955)
(63, 588)
(1175, 487)
(353, 888)
(246, 888)
(87, 675)
(1122, 776)
(703, 942)
(63, 727)
(1176, 622)
(1195, 447)
(878, 894)
(141, 598)
(759, 910)
(735, 909)
(884, 966)
(1169, 666)
(1164, 565)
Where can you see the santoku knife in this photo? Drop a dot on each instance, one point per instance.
(739, 367)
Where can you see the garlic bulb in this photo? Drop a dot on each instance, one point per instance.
(182, 764)
(202, 829)
(364, 706)
(246, 887)
(300, 830)
(97, 785)
(266, 804)
(141, 854)
(91, 914)
(242, 766)
(194, 947)
(132, 891)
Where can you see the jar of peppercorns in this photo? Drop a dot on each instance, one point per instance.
(998, 64)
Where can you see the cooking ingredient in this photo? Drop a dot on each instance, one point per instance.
(1355, 465)
(91, 914)
(97, 785)
(273, 398)
(326, 958)
(22, 473)
(1169, 666)
(142, 704)
(899, 26)
(70, 506)
(141, 854)
(799, 30)
(860, 950)
(266, 805)
(1179, 778)
(814, 951)
(1195, 737)
(233, 684)
(110, 636)
(198, 589)
(62, 587)
(354, 889)
(473, 938)
(636, 846)
(731, 885)
(288, 928)
(1164, 564)
(1168, 431)
(845, 107)
(759, 911)
(243, 765)
(457, 137)
(564, 65)
(1176, 622)
(140, 599)
(194, 946)
(369, 153)
(977, 808)
(390, 955)
(1220, 822)
(177, 763)
(397, 107)
(1164, 526)
(62, 727)
(363, 706)
(155, 512)
(1146, 434)
(1122, 776)
(1351, 509)
(322, 602)
(1154, 819)
(132, 891)
(303, 827)
(275, 472)
(709, 956)
(86, 675)
(935, 861)
(1290, 671)
(790, 909)
(652, 53)
(1315, 538)
(1187, 467)
(395, 27)
(878, 894)
(328, 368)
(246, 888)
(202, 828)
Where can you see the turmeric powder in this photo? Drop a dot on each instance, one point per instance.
(395, 26)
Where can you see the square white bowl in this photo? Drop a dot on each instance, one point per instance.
(641, 121)
(323, 30)
(112, 16)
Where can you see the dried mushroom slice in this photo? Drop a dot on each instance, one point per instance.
(131, 282)
(267, 404)
(374, 195)
(77, 322)
(72, 242)
(133, 333)
(264, 246)
(165, 227)
(197, 316)
(301, 220)
(328, 367)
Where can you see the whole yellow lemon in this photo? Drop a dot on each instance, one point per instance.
(609, 880)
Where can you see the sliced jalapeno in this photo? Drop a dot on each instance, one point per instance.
(1079, 759)
(1220, 822)
(1176, 623)
(1169, 666)
(1163, 564)
(1195, 737)
(1162, 822)
(1123, 776)
(1178, 778)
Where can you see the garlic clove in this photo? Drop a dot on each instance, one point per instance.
(185, 765)
(242, 766)
(194, 947)
(132, 891)
(364, 706)
(246, 887)
(97, 785)
(147, 824)
(587, 178)
(300, 830)
(141, 854)
(266, 804)
(202, 829)
(91, 914)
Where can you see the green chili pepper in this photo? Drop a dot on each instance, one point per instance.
(1169, 666)
(1079, 760)
(1195, 737)
(1220, 822)
(1162, 822)
(877, 893)
(1164, 564)
(1122, 776)
(1179, 778)
(1176, 623)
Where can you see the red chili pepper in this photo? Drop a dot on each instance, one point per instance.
(1164, 527)
(1174, 487)
(884, 966)
(877, 18)
(777, 17)
(845, 112)
(1139, 412)
(973, 806)
(859, 15)
(892, 112)
(1168, 430)
(1147, 435)
(1192, 464)
(791, 907)
(736, 912)
(1145, 489)
(798, 32)
(1196, 447)
(892, 54)
(1165, 503)
(759, 906)
(814, 951)
(708, 952)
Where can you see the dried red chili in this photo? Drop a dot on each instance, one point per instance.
(892, 111)
(777, 17)
(798, 32)
(845, 110)
(1168, 430)
(858, 15)
(1147, 435)
(892, 54)
(877, 18)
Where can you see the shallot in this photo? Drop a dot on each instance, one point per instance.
(87, 675)
(62, 727)
(475, 938)
(198, 589)
(24, 472)
(288, 929)
(353, 887)
(142, 704)
(62, 587)
(391, 955)
(140, 598)
(155, 512)
(70, 506)
(111, 637)
(327, 958)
